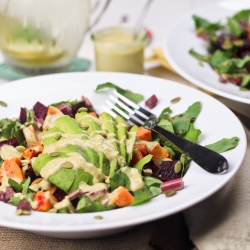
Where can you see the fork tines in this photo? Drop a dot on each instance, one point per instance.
(127, 109)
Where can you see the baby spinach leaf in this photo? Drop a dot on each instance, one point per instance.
(192, 134)
(142, 195)
(15, 185)
(118, 179)
(135, 97)
(224, 145)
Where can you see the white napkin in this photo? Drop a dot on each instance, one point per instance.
(222, 222)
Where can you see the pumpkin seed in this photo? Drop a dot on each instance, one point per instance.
(98, 217)
(147, 172)
(67, 165)
(171, 193)
(57, 136)
(53, 154)
(20, 149)
(175, 100)
(177, 167)
(84, 126)
(82, 109)
(3, 139)
(3, 104)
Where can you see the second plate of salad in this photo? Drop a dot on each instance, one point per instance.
(69, 170)
(209, 47)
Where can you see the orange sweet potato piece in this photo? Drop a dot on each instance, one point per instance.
(44, 201)
(142, 147)
(93, 114)
(137, 155)
(11, 168)
(144, 134)
(123, 197)
(159, 153)
(33, 151)
(52, 110)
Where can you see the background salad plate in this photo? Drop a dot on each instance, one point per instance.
(181, 37)
(213, 122)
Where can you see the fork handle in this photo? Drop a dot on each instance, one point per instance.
(208, 159)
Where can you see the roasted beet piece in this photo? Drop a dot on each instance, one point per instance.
(5, 196)
(30, 173)
(23, 207)
(59, 195)
(76, 106)
(40, 110)
(13, 142)
(164, 171)
(23, 115)
(151, 102)
(66, 109)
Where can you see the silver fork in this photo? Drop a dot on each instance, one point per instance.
(209, 160)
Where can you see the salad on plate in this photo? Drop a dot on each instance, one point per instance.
(66, 158)
(228, 47)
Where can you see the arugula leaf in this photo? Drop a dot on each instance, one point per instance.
(204, 26)
(166, 124)
(192, 134)
(165, 113)
(15, 185)
(14, 200)
(11, 128)
(25, 185)
(218, 58)
(118, 179)
(151, 181)
(224, 145)
(235, 27)
(200, 57)
(181, 123)
(131, 96)
(142, 195)
(242, 15)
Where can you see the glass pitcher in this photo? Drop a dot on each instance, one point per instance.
(43, 36)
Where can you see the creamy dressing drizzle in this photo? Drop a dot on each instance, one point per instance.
(65, 203)
(135, 178)
(42, 185)
(9, 152)
(104, 146)
(53, 166)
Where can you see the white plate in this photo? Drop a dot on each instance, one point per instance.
(181, 37)
(199, 184)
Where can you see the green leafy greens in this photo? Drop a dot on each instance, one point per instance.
(228, 47)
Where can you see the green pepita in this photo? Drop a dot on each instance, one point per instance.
(82, 109)
(147, 172)
(177, 167)
(171, 193)
(84, 126)
(57, 136)
(3, 139)
(3, 104)
(54, 154)
(175, 100)
(20, 149)
(98, 217)
(67, 165)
